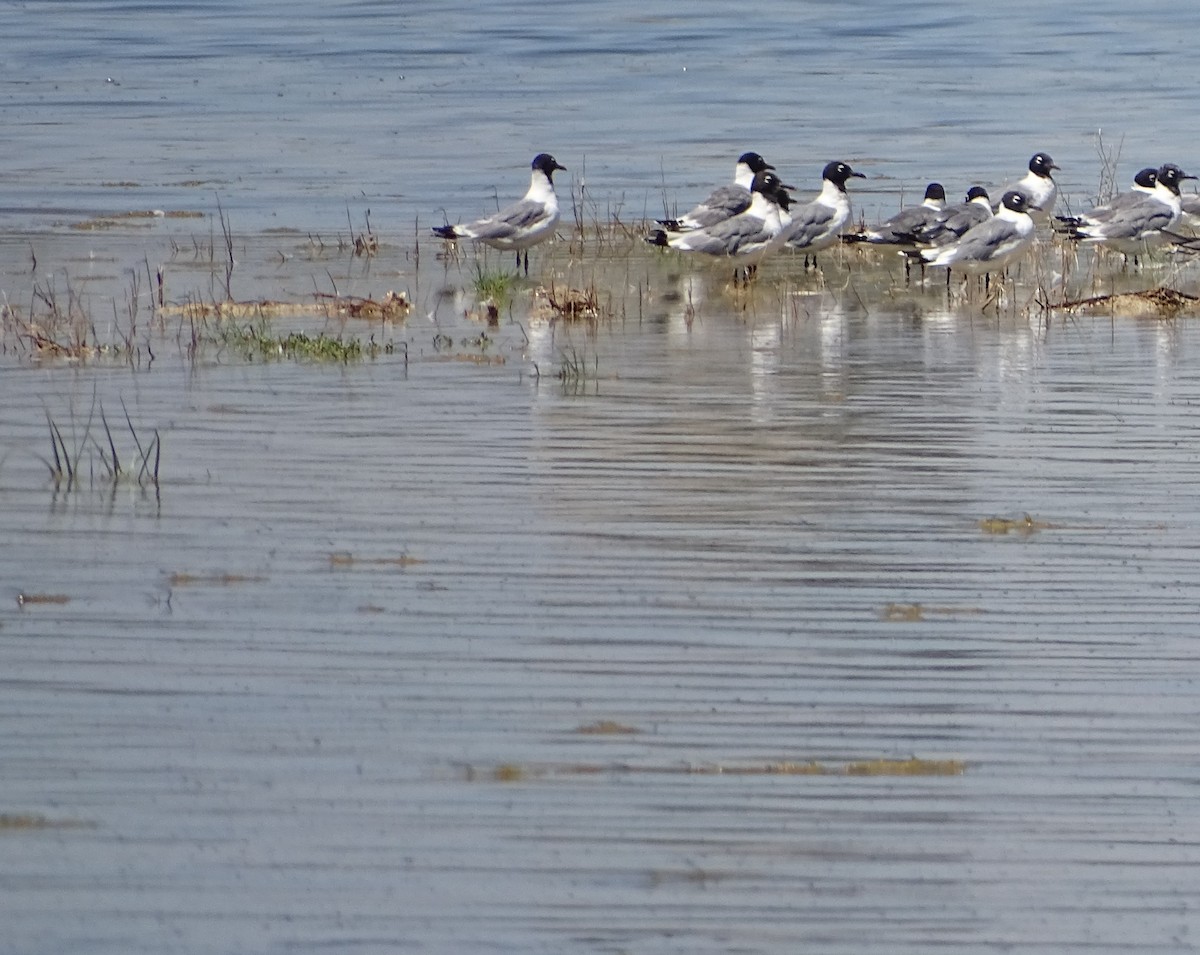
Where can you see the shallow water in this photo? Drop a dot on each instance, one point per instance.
(298, 116)
(332, 685)
(516, 637)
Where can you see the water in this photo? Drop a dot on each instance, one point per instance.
(336, 685)
(295, 114)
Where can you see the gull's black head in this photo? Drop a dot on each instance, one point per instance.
(780, 194)
(766, 182)
(976, 192)
(1146, 178)
(547, 164)
(754, 161)
(1016, 201)
(838, 173)
(1041, 164)
(935, 191)
(1171, 176)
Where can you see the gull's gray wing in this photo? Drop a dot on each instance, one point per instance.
(508, 222)
(809, 223)
(953, 225)
(735, 236)
(1132, 220)
(987, 241)
(900, 228)
(724, 203)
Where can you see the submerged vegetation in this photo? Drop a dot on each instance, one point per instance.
(98, 462)
(257, 342)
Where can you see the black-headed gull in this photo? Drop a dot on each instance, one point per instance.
(521, 225)
(725, 201)
(818, 224)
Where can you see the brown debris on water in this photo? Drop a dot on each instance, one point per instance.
(570, 304)
(29, 821)
(134, 215)
(212, 580)
(1022, 525)
(606, 728)
(911, 766)
(344, 559)
(915, 612)
(29, 600)
(393, 307)
(1159, 302)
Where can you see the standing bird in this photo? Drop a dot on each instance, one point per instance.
(818, 224)
(1144, 183)
(521, 225)
(992, 244)
(956, 220)
(899, 229)
(1134, 221)
(1191, 209)
(1038, 187)
(748, 236)
(725, 201)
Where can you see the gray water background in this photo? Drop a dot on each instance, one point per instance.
(751, 534)
(293, 112)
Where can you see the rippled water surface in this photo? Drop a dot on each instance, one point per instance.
(819, 617)
(292, 114)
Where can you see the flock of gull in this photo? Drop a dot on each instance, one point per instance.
(757, 215)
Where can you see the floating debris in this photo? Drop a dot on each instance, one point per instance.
(1151, 303)
(607, 728)
(911, 613)
(343, 558)
(394, 306)
(11, 821)
(1004, 525)
(136, 215)
(28, 600)
(571, 303)
(213, 580)
(912, 766)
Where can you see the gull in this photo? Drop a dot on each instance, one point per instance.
(818, 224)
(748, 236)
(1038, 187)
(992, 244)
(1135, 221)
(957, 219)
(725, 201)
(521, 225)
(1191, 209)
(1144, 183)
(899, 229)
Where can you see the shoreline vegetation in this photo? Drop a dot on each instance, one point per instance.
(225, 296)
